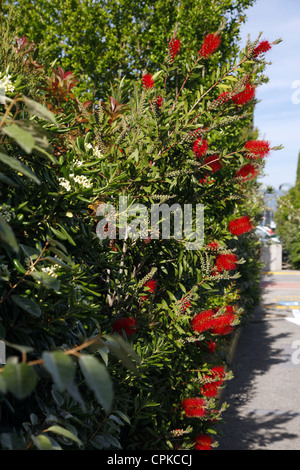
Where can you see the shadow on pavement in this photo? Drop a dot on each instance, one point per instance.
(245, 427)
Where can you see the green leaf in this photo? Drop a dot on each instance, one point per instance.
(39, 110)
(46, 279)
(18, 166)
(60, 367)
(42, 442)
(27, 304)
(7, 235)
(59, 430)
(20, 379)
(98, 379)
(23, 138)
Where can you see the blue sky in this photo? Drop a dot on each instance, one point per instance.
(277, 115)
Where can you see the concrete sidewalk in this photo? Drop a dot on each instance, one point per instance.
(264, 395)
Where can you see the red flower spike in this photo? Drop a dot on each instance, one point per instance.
(194, 407)
(226, 262)
(200, 147)
(224, 97)
(202, 321)
(203, 442)
(174, 48)
(222, 325)
(148, 81)
(240, 225)
(127, 325)
(247, 172)
(244, 96)
(261, 48)
(257, 149)
(151, 286)
(210, 45)
(158, 101)
(214, 162)
(211, 346)
(213, 245)
(213, 381)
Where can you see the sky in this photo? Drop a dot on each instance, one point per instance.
(277, 115)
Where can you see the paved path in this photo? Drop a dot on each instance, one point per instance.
(264, 395)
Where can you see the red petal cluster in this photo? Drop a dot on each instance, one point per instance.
(158, 101)
(126, 325)
(148, 81)
(261, 48)
(244, 96)
(174, 48)
(202, 321)
(211, 346)
(200, 147)
(213, 381)
(213, 245)
(194, 407)
(210, 45)
(257, 149)
(223, 97)
(151, 286)
(240, 225)
(203, 442)
(214, 162)
(247, 172)
(222, 324)
(226, 262)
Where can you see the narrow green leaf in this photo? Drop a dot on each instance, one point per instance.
(46, 279)
(28, 305)
(23, 138)
(59, 430)
(39, 110)
(18, 166)
(60, 367)
(20, 379)
(98, 379)
(7, 235)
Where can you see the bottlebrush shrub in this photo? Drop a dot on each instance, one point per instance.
(105, 353)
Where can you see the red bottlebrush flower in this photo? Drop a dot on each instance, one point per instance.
(151, 286)
(174, 48)
(210, 45)
(224, 97)
(213, 381)
(214, 162)
(127, 325)
(240, 225)
(203, 442)
(148, 81)
(158, 101)
(200, 147)
(184, 305)
(211, 346)
(247, 172)
(257, 149)
(222, 325)
(244, 96)
(202, 321)
(261, 48)
(226, 262)
(213, 245)
(194, 407)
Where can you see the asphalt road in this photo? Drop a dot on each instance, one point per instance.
(264, 395)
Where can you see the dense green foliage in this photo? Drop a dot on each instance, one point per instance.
(71, 378)
(100, 40)
(287, 218)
